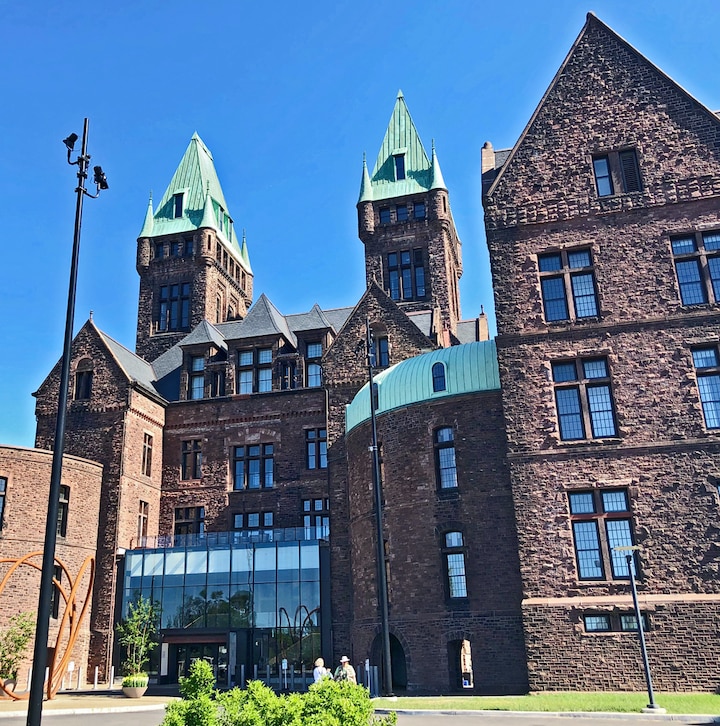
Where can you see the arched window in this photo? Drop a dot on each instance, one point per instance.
(445, 468)
(438, 376)
(83, 379)
(454, 554)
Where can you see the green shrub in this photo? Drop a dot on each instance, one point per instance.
(136, 680)
(198, 711)
(200, 681)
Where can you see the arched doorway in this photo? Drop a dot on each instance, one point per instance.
(397, 661)
(460, 665)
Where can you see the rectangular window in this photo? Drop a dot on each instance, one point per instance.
(567, 284)
(159, 250)
(142, 522)
(406, 275)
(401, 212)
(63, 511)
(697, 266)
(613, 622)
(255, 373)
(314, 350)
(455, 563)
(55, 595)
(617, 170)
(583, 399)
(597, 623)
(600, 521)
(174, 307)
(316, 516)
(83, 384)
(383, 352)
(314, 374)
(316, 448)
(147, 454)
(399, 166)
(707, 370)
(3, 495)
(385, 215)
(189, 520)
(253, 467)
(197, 377)
(217, 384)
(264, 380)
(178, 205)
(445, 468)
(191, 460)
(245, 381)
(419, 210)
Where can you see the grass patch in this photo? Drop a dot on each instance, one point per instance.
(681, 703)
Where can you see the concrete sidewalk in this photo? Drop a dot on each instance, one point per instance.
(89, 701)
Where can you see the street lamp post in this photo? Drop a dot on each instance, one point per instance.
(377, 488)
(42, 628)
(629, 556)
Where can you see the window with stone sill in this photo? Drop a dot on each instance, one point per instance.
(196, 379)
(83, 380)
(614, 622)
(255, 370)
(454, 556)
(191, 466)
(445, 466)
(173, 311)
(697, 266)
(253, 466)
(707, 370)
(146, 466)
(583, 398)
(616, 172)
(567, 285)
(406, 275)
(600, 520)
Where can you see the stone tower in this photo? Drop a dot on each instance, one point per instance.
(412, 249)
(190, 263)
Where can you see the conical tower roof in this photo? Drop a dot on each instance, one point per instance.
(202, 203)
(401, 139)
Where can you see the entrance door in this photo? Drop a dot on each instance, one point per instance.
(216, 654)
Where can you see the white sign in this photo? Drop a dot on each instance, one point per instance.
(284, 664)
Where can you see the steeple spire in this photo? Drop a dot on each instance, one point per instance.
(436, 177)
(366, 192)
(147, 228)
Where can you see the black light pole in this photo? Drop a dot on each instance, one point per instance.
(377, 487)
(629, 552)
(42, 628)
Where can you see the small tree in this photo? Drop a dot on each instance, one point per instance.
(136, 633)
(14, 640)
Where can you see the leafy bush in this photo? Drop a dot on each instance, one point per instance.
(136, 634)
(14, 640)
(327, 703)
(200, 682)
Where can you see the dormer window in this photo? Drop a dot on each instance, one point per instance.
(178, 205)
(197, 377)
(399, 166)
(438, 377)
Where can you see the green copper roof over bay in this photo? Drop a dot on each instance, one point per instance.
(469, 368)
(203, 202)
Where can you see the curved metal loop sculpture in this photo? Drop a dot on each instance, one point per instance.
(69, 627)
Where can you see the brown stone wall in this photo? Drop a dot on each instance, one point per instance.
(279, 418)
(416, 515)
(28, 474)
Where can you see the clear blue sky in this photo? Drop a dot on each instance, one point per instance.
(287, 96)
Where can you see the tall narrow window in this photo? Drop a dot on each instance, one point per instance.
(601, 523)
(382, 352)
(3, 495)
(385, 215)
(697, 266)
(399, 166)
(419, 210)
(63, 511)
(191, 460)
(603, 178)
(316, 448)
(455, 564)
(254, 467)
(83, 380)
(584, 399)
(178, 205)
(174, 307)
(567, 283)
(314, 370)
(406, 275)
(217, 387)
(445, 467)
(401, 212)
(316, 518)
(55, 594)
(707, 367)
(264, 373)
(159, 250)
(142, 522)
(147, 454)
(197, 377)
(438, 377)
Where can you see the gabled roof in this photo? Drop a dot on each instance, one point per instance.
(204, 203)
(134, 367)
(203, 334)
(263, 318)
(610, 40)
(401, 138)
(313, 320)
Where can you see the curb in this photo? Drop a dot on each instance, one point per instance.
(84, 711)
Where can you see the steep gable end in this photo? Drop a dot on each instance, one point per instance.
(607, 100)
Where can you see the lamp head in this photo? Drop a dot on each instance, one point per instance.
(70, 141)
(100, 178)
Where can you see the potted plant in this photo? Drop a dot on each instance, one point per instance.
(14, 640)
(136, 633)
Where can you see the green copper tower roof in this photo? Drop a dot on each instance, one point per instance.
(417, 172)
(194, 199)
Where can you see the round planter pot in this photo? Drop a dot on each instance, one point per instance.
(134, 691)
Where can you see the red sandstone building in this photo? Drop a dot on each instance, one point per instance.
(237, 482)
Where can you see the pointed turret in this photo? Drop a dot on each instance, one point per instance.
(191, 265)
(411, 246)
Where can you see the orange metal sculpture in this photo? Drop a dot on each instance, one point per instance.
(73, 614)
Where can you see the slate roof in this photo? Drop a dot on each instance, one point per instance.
(133, 366)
